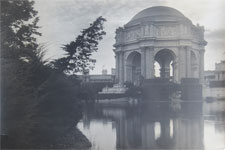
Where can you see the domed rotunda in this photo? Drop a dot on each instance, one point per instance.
(159, 35)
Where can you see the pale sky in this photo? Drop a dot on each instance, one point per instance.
(62, 20)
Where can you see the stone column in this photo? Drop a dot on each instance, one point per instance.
(128, 73)
(117, 66)
(150, 63)
(162, 71)
(165, 71)
(143, 62)
(201, 66)
(188, 62)
(175, 70)
(124, 68)
(121, 68)
(182, 63)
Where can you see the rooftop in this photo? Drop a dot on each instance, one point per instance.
(152, 13)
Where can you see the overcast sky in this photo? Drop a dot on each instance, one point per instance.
(62, 20)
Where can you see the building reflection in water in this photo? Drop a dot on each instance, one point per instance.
(152, 125)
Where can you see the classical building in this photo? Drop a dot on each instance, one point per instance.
(217, 76)
(163, 35)
(97, 78)
(220, 71)
(215, 81)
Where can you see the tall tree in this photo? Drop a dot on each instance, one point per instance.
(19, 56)
(18, 28)
(78, 52)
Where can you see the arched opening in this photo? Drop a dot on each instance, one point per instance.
(194, 65)
(171, 69)
(165, 58)
(133, 68)
(157, 69)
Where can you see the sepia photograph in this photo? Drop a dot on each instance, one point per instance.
(112, 74)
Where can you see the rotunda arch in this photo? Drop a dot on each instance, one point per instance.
(133, 67)
(194, 65)
(165, 58)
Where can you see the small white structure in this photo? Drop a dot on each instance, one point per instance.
(116, 89)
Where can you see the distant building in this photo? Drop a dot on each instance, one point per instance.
(220, 71)
(98, 78)
(215, 75)
(220, 66)
(214, 81)
(209, 75)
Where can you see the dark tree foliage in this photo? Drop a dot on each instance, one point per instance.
(78, 52)
(18, 29)
(22, 70)
(39, 106)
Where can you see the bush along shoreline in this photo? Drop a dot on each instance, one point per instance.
(46, 118)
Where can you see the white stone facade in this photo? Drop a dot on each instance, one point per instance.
(159, 34)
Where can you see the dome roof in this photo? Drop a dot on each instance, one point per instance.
(157, 12)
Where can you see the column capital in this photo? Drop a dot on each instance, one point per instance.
(119, 52)
(147, 47)
(185, 47)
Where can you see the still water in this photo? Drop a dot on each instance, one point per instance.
(155, 125)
